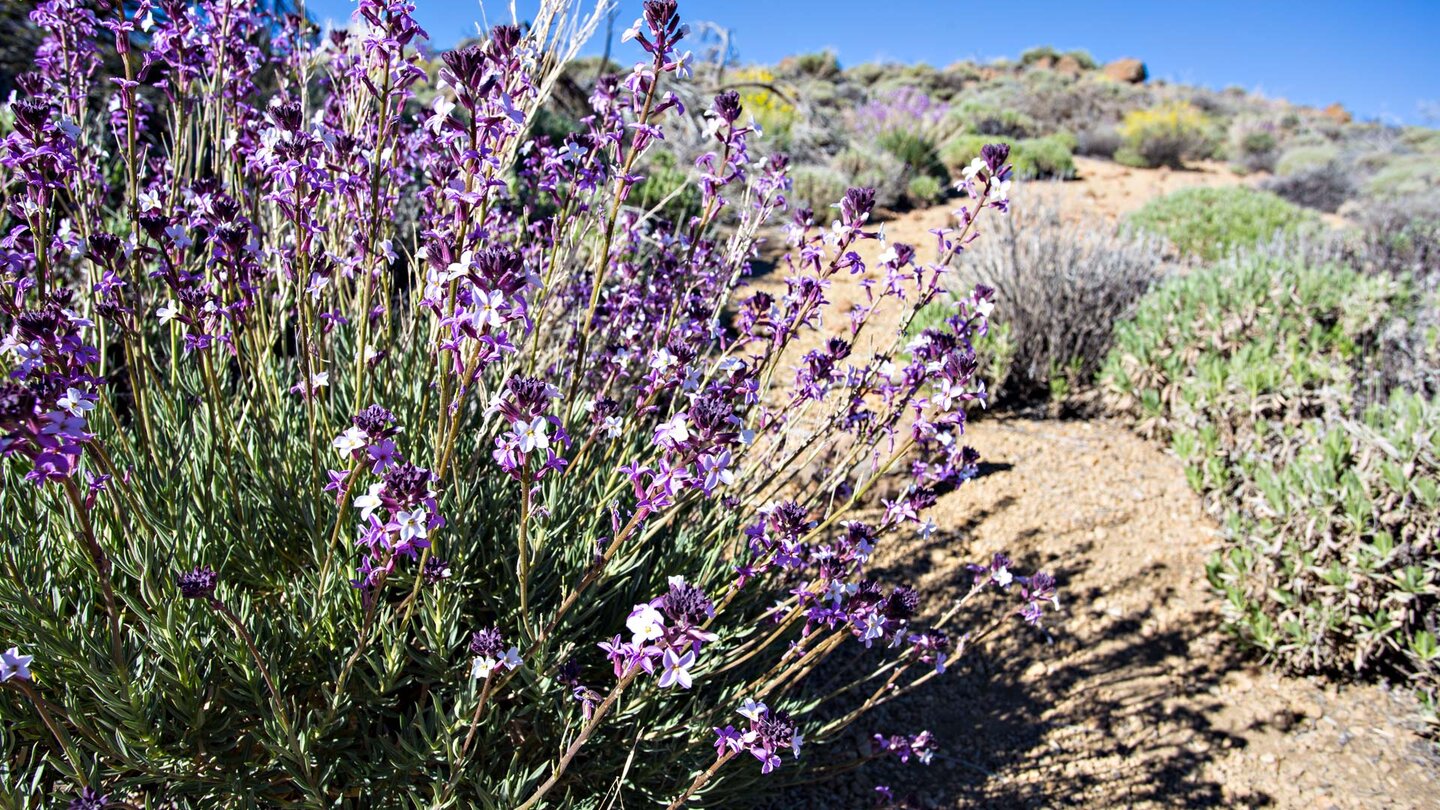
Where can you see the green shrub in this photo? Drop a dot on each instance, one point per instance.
(978, 117)
(1047, 157)
(1248, 370)
(1209, 222)
(924, 189)
(1167, 135)
(1257, 337)
(818, 188)
(872, 168)
(1083, 57)
(917, 152)
(1331, 562)
(1405, 176)
(1254, 145)
(819, 65)
(667, 186)
(1305, 158)
(1037, 54)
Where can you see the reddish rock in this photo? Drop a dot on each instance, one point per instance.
(1127, 70)
(1337, 113)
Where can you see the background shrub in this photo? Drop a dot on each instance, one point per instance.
(1060, 287)
(1102, 142)
(1254, 145)
(924, 189)
(1032, 158)
(916, 152)
(1167, 135)
(818, 188)
(818, 65)
(668, 186)
(1209, 222)
(872, 168)
(1324, 189)
(774, 113)
(1305, 158)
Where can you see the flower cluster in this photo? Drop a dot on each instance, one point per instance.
(491, 655)
(399, 510)
(920, 746)
(669, 630)
(768, 733)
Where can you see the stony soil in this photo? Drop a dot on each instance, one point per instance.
(1136, 698)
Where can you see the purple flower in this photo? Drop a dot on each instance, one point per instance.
(14, 665)
(89, 799)
(676, 669)
(198, 583)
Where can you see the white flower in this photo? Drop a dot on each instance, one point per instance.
(351, 440)
(752, 711)
(456, 269)
(1002, 577)
(482, 667)
(412, 525)
(167, 313)
(672, 432)
(889, 255)
(662, 360)
(511, 659)
(533, 435)
(319, 380)
(612, 426)
(645, 624)
(443, 105)
(487, 309)
(75, 402)
(926, 529)
(633, 31)
(14, 665)
(370, 501)
(973, 169)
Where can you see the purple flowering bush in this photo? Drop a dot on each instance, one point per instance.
(363, 453)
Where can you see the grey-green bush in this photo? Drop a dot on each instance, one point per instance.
(1209, 222)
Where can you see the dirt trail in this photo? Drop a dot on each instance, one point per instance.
(1139, 699)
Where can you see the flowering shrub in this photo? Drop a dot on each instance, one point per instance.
(772, 112)
(904, 109)
(360, 454)
(1166, 135)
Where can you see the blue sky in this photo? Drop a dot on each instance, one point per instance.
(1380, 59)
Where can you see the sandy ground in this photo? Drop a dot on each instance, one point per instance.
(1136, 699)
